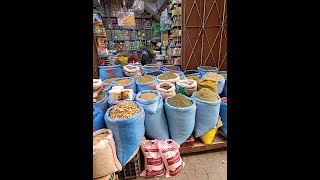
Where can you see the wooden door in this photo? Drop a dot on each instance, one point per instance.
(204, 34)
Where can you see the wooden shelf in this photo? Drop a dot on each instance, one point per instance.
(219, 141)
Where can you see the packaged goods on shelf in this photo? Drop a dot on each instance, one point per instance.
(155, 115)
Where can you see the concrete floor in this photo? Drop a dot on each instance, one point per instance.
(207, 165)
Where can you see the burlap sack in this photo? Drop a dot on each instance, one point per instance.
(105, 161)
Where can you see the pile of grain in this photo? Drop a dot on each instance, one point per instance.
(212, 76)
(206, 94)
(207, 67)
(151, 68)
(179, 100)
(165, 86)
(145, 79)
(122, 81)
(167, 75)
(98, 138)
(124, 110)
(109, 81)
(172, 67)
(148, 96)
(194, 78)
(154, 73)
(100, 96)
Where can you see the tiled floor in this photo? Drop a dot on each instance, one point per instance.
(207, 165)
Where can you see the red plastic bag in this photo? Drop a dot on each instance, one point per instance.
(170, 154)
(152, 159)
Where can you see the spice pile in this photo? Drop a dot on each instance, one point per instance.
(154, 73)
(100, 96)
(109, 81)
(207, 67)
(165, 86)
(206, 94)
(98, 138)
(190, 72)
(167, 75)
(148, 96)
(145, 79)
(124, 110)
(212, 76)
(179, 100)
(122, 81)
(151, 68)
(172, 67)
(194, 78)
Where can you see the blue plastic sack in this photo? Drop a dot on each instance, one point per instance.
(181, 121)
(98, 121)
(127, 133)
(147, 86)
(155, 122)
(203, 71)
(107, 72)
(106, 91)
(223, 115)
(192, 73)
(103, 104)
(131, 85)
(206, 116)
(224, 92)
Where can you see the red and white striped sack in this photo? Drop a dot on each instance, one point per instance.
(152, 159)
(169, 151)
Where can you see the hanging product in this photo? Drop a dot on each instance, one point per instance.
(105, 161)
(126, 19)
(155, 117)
(129, 130)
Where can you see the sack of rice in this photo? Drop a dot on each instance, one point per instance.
(105, 161)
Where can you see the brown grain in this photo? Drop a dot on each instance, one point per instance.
(122, 81)
(124, 110)
(148, 96)
(98, 138)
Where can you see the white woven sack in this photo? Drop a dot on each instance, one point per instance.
(166, 93)
(105, 160)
